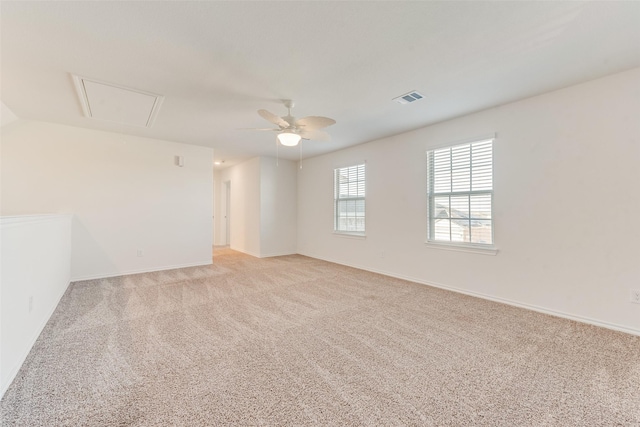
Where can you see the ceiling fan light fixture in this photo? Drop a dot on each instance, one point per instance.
(289, 139)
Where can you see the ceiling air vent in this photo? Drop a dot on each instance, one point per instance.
(408, 97)
(119, 104)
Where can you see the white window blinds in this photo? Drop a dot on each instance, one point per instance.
(460, 192)
(349, 199)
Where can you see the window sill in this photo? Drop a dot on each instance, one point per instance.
(349, 235)
(488, 250)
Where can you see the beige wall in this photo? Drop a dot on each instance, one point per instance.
(244, 180)
(35, 273)
(125, 192)
(566, 204)
(263, 206)
(278, 206)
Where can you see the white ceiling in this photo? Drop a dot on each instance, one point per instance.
(216, 63)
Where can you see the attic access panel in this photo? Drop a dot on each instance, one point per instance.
(118, 104)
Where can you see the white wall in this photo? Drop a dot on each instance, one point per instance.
(35, 265)
(6, 115)
(566, 204)
(245, 205)
(216, 208)
(125, 192)
(263, 206)
(278, 207)
(220, 207)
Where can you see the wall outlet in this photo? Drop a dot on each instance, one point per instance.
(140, 252)
(634, 296)
(30, 303)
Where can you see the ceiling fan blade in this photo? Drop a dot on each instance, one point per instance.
(276, 120)
(315, 135)
(314, 122)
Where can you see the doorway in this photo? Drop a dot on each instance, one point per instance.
(227, 213)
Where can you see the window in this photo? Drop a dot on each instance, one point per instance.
(349, 203)
(460, 193)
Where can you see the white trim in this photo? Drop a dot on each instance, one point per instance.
(82, 94)
(336, 200)
(348, 235)
(488, 250)
(350, 164)
(78, 82)
(272, 254)
(142, 270)
(16, 368)
(18, 220)
(469, 247)
(267, 255)
(562, 314)
(485, 137)
(253, 254)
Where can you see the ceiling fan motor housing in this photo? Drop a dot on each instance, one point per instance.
(291, 130)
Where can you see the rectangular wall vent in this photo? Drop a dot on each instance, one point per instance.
(118, 104)
(408, 97)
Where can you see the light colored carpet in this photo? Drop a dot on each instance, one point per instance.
(297, 341)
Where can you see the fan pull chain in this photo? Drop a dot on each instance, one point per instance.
(301, 154)
(277, 154)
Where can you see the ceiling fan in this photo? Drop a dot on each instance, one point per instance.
(291, 130)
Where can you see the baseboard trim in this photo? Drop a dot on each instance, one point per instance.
(143, 270)
(577, 318)
(15, 369)
(268, 255)
(245, 252)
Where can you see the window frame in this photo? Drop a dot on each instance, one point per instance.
(337, 199)
(483, 248)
